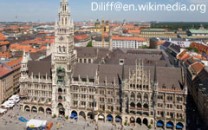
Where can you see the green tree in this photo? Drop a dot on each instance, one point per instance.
(89, 44)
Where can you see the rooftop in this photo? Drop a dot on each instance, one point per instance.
(202, 31)
(122, 38)
(154, 30)
(4, 70)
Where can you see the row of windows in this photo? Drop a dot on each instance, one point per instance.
(40, 99)
(61, 49)
(85, 60)
(38, 86)
(139, 86)
(41, 77)
(83, 103)
(39, 93)
(83, 79)
(82, 89)
(82, 96)
(170, 106)
(170, 98)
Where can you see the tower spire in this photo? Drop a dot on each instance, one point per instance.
(64, 14)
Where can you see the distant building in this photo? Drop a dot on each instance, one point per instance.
(201, 32)
(102, 26)
(9, 78)
(128, 42)
(44, 28)
(81, 40)
(4, 44)
(157, 32)
(99, 42)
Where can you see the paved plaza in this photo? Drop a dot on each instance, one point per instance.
(9, 121)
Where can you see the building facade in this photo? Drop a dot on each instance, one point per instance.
(126, 86)
(9, 79)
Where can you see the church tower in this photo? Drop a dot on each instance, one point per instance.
(63, 57)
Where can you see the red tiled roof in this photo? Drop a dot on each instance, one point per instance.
(3, 40)
(81, 37)
(198, 56)
(134, 31)
(26, 48)
(185, 56)
(200, 47)
(13, 27)
(197, 67)
(4, 70)
(2, 37)
(14, 63)
(5, 55)
(181, 54)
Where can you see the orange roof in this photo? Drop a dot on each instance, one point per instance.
(114, 25)
(122, 38)
(128, 26)
(3, 40)
(50, 37)
(198, 56)
(200, 47)
(81, 37)
(5, 55)
(197, 67)
(13, 27)
(134, 31)
(14, 63)
(4, 43)
(26, 48)
(2, 37)
(4, 70)
(185, 56)
(181, 54)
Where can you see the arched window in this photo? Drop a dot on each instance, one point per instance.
(139, 96)
(66, 21)
(145, 97)
(64, 49)
(62, 21)
(132, 96)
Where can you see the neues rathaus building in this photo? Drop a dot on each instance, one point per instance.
(104, 84)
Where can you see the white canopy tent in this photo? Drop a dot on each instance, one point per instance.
(2, 110)
(101, 117)
(14, 98)
(33, 123)
(8, 104)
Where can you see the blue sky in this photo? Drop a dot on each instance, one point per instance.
(46, 10)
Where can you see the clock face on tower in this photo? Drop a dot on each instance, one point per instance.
(61, 38)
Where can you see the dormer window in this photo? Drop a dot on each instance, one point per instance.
(121, 61)
(163, 86)
(84, 79)
(173, 87)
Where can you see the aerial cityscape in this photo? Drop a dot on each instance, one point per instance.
(103, 65)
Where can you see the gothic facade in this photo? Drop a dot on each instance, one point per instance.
(126, 86)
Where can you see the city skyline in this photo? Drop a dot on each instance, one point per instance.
(45, 11)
